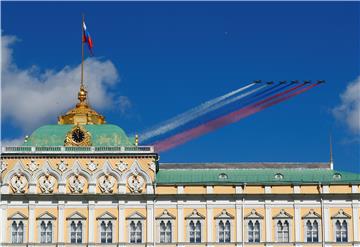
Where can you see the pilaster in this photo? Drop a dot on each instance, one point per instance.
(210, 225)
(91, 223)
(32, 223)
(121, 221)
(150, 223)
(61, 221)
(326, 220)
(180, 222)
(3, 218)
(297, 224)
(355, 218)
(239, 222)
(267, 222)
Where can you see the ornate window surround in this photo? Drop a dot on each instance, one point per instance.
(195, 216)
(282, 216)
(166, 217)
(224, 216)
(17, 218)
(253, 216)
(106, 217)
(76, 217)
(341, 216)
(46, 217)
(312, 216)
(136, 217)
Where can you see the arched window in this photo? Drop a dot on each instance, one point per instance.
(45, 232)
(109, 232)
(254, 231)
(341, 231)
(162, 232)
(312, 231)
(257, 231)
(73, 232)
(168, 232)
(283, 233)
(227, 231)
(103, 232)
(195, 231)
(17, 232)
(132, 232)
(138, 230)
(221, 232)
(76, 232)
(106, 232)
(251, 231)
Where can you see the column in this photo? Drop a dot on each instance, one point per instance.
(150, 223)
(91, 224)
(31, 223)
(326, 222)
(297, 224)
(239, 222)
(61, 222)
(268, 220)
(121, 223)
(3, 218)
(180, 223)
(209, 225)
(355, 218)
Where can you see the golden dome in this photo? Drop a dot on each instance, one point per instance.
(82, 113)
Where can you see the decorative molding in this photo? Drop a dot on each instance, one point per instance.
(136, 216)
(121, 166)
(136, 178)
(106, 183)
(18, 182)
(311, 215)
(33, 166)
(341, 215)
(254, 215)
(195, 215)
(224, 215)
(3, 166)
(77, 183)
(282, 215)
(47, 183)
(152, 166)
(165, 215)
(62, 166)
(92, 166)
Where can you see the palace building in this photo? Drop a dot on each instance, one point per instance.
(83, 182)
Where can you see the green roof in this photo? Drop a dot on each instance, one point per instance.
(254, 176)
(101, 135)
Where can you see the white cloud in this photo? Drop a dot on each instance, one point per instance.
(31, 98)
(348, 111)
(12, 142)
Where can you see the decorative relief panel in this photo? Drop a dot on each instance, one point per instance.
(106, 183)
(62, 166)
(122, 166)
(3, 166)
(33, 166)
(77, 183)
(92, 166)
(135, 181)
(18, 182)
(47, 183)
(152, 166)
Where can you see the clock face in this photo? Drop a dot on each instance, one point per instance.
(78, 135)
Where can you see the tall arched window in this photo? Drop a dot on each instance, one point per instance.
(282, 231)
(162, 232)
(135, 232)
(341, 231)
(164, 224)
(257, 231)
(17, 232)
(45, 232)
(312, 231)
(253, 231)
(76, 232)
(168, 232)
(132, 232)
(195, 231)
(227, 232)
(221, 232)
(106, 232)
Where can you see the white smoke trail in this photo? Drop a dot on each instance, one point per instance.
(198, 111)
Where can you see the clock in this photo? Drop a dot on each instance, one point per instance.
(78, 135)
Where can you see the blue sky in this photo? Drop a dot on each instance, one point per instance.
(167, 57)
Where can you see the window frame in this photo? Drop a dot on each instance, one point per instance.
(17, 218)
(195, 216)
(107, 218)
(312, 216)
(76, 217)
(136, 217)
(341, 216)
(166, 217)
(46, 217)
(253, 217)
(283, 217)
(224, 216)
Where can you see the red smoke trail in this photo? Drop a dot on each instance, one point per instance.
(235, 116)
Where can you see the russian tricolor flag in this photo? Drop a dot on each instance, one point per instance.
(87, 38)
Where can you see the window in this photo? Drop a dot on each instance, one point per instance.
(76, 224)
(17, 228)
(341, 231)
(312, 231)
(46, 232)
(195, 231)
(340, 223)
(194, 224)
(224, 231)
(312, 220)
(76, 232)
(282, 230)
(135, 226)
(135, 232)
(17, 232)
(165, 232)
(164, 223)
(106, 225)
(46, 226)
(253, 223)
(254, 231)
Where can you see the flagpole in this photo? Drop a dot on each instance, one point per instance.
(82, 52)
